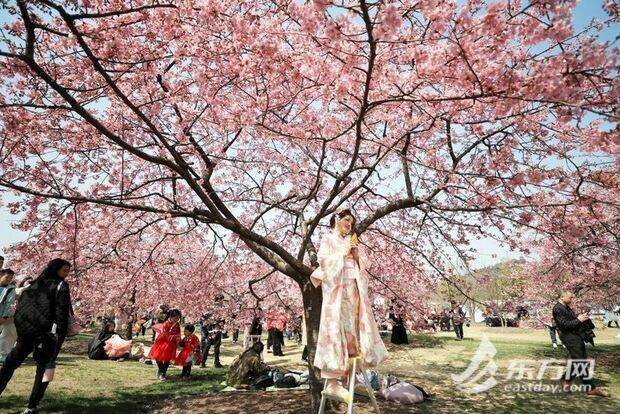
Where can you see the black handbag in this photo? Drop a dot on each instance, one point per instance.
(261, 382)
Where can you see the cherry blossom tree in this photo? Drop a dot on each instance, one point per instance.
(579, 253)
(435, 122)
(123, 263)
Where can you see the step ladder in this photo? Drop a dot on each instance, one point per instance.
(353, 363)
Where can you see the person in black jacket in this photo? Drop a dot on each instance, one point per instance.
(212, 337)
(399, 332)
(97, 343)
(571, 328)
(42, 321)
(256, 328)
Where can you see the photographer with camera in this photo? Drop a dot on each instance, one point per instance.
(573, 334)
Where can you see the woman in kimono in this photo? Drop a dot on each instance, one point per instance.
(348, 327)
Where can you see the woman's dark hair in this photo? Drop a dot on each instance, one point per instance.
(107, 324)
(23, 282)
(53, 267)
(5, 272)
(190, 328)
(342, 214)
(173, 312)
(256, 347)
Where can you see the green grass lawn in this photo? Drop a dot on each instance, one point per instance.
(431, 360)
(84, 386)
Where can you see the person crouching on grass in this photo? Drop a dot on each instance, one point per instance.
(190, 353)
(166, 342)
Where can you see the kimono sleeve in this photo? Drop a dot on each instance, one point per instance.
(363, 259)
(331, 261)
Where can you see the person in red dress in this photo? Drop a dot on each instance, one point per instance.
(190, 353)
(167, 340)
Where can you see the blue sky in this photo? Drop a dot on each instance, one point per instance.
(584, 12)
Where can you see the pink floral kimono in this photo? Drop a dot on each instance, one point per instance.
(348, 327)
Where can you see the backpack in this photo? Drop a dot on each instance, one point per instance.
(36, 309)
(95, 346)
(373, 377)
(287, 381)
(261, 382)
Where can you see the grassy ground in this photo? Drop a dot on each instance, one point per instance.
(84, 386)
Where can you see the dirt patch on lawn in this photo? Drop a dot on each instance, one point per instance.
(257, 402)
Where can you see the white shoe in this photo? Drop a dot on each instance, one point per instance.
(555, 345)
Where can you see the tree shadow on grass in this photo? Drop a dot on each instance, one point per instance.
(451, 401)
(128, 400)
(607, 356)
(419, 341)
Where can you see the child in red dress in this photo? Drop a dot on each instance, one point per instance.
(190, 353)
(167, 340)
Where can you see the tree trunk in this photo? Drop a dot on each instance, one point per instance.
(313, 299)
(131, 317)
(129, 327)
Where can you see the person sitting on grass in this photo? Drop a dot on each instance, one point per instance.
(246, 366)
(190, 354)
(95, 346)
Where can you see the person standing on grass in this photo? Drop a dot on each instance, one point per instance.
(304, 339)
(256, 328)
(458, 318)
(7, 308)
(347, 327)
(610, 318)
(234, 326)
(212, 337)
(277, 332)
(399, 332)
(161, 314)
(42, 321)
(269, 326)
(148, 320)
(571, 334)
(167, 340)
(190, 353)
(549, 323)
(235, 333)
